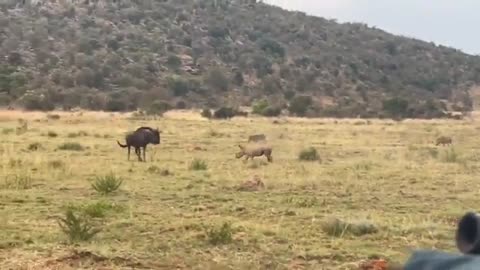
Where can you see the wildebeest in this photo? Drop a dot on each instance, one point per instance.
(443, 140)
(139, 139)
(252, 151)
(257, 138)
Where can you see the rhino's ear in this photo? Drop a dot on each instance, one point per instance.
(239, 146)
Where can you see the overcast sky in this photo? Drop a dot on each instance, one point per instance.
(452, 23)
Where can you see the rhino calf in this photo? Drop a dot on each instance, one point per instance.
(443, 140)
(257, 138)
(255, 151)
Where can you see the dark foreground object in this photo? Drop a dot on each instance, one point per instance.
(434, 260)
(139, 139)
(468, 242)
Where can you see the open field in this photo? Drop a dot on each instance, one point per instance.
(388, 177)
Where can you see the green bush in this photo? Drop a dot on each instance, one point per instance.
(198, 165)
(76, 227)
(107, 184)
(206, 113)
(220, 236)
(309, 154)
(300, 105)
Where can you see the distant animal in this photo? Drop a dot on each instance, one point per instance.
(257, 138)
(443, 140)
(252, 151)
(139, 139)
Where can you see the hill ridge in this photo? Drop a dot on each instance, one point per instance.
(125, 54)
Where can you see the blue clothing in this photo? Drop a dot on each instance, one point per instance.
(434, 260)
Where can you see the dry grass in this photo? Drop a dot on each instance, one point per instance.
(372, 172)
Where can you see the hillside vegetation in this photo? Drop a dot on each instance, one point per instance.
(154, 55)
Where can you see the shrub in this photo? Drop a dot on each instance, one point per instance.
(206, 113)
(300, 105)
(159, 107)
(220, 236)
(107, 184)
(56, 164)
(71, 146)
(338, 228)
(52, 134)
(98, 209)
(198, 165)
(396, 107)
(217, 80)
(34, 146)
(174, 62)
(77, 228)
(224, 113)
(309, 154)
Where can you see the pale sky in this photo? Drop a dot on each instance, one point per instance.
(453, 23)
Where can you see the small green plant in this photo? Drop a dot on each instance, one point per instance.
(71, 146)
(77, 227)
(107, 184)
(52, 134)
(309, 154)
(198, 165)
(19, 181)
(77, 134)
(34, 146)
(220, 236)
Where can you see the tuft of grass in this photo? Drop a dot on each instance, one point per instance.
(52, 134)
(450, 156)
(71, 146)
(97, 209)
(77, 227)
(157, 170)
(7, 131)
(34, 146)
(107, 184)
(338, 228)
(220, 236)
(198, 165)
(18, 181)
(77, 134)
(56, 164)
(309, 154)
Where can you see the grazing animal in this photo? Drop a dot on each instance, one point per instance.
(443, 140)
(255, 151)
(257, 138)
(139, 139)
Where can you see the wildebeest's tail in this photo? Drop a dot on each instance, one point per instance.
(122, 145)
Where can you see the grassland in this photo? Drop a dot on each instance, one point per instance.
(167, 215)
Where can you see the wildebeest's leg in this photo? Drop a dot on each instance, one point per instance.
(138, 151)
(269, 158)
(129, 152)
(144, 150)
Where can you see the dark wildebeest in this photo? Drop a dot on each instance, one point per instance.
(257, 138)
(443, 140)
(252, 151)
(139, 139)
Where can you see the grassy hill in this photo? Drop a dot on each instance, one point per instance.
(123, 55)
